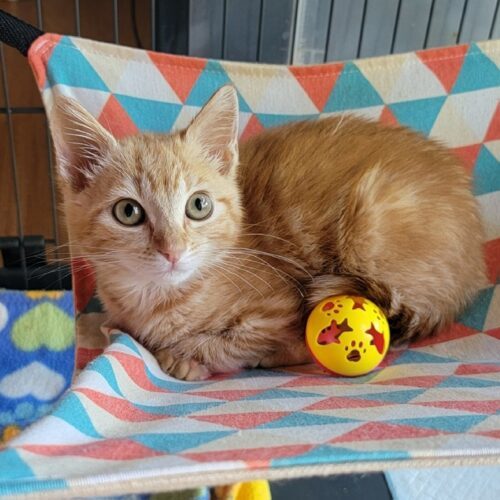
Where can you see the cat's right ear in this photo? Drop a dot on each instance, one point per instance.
(80, 142)
(215, 129)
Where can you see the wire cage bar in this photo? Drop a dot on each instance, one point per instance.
(272, 31)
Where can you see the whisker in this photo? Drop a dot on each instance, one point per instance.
(226, 277)
(270, 236)
(246, 270)
(242, 279)
(279, 272)
(272, 255)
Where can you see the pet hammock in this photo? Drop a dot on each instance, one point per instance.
(124, 426)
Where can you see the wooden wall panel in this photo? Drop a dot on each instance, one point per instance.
(143, 20)
(32, 166)
(8, 220)
(97, 27)
(22, 89)
(30, 136)
(59, 16)
(2, 102)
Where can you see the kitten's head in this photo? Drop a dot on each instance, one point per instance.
(151, 208)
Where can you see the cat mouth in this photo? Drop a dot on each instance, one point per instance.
(354, 355)
(176, 275)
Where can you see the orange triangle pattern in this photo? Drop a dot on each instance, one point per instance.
(39, 65)
(454, 332)
(241, 420)
(387, 117)
(253, 128)
(180, 72)
(493, 133)
(233, 395)
(318, 82)
(445, 63)
(491, 406)
(492, 250)
(254, 457)
(422, 381)
(472, 369)
(116, 120)
(468, 155)
(377, 431)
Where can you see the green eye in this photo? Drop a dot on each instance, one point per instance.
(129, 212)
(199, 206)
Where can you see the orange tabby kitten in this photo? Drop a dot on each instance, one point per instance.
(212, 259)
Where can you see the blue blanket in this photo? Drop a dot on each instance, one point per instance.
(36, 355)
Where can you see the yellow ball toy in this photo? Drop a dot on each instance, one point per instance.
(348, 335)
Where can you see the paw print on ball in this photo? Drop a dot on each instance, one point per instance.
(355, 350)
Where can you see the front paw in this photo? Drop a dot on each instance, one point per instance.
(182, 369)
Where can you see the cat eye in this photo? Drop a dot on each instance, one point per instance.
(199, 206)
(129, 212)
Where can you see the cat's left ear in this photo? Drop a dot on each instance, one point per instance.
(215, 129)
(80, 142)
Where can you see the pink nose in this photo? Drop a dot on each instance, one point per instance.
(172, 256)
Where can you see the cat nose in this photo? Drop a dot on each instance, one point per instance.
(172, 255)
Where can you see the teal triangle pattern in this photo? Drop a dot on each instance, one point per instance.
(300, 419)
(455, 423)
(148, 115)
(104, 367)
(393, 396)
(14, 467)
(336, 454)
(478, 72)
(177, 442)
(179, 410)
(72, 411)
(352, 91)
(486, 172)
(126, 341)
(414, 356)
(279, 394)
(244, 107)
(475, 315)
(211, 79)
(74, 71)
(419, 114)
(467, 382)
(324, 453)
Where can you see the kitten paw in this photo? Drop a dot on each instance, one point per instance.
(182, 369)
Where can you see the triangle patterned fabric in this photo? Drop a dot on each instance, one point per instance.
(134, 427)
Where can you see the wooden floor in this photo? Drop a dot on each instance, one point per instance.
(26, 143)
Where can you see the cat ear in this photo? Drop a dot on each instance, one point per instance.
(81, 143)
(215, 128)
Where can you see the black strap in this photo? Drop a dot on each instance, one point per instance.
(17, 33)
